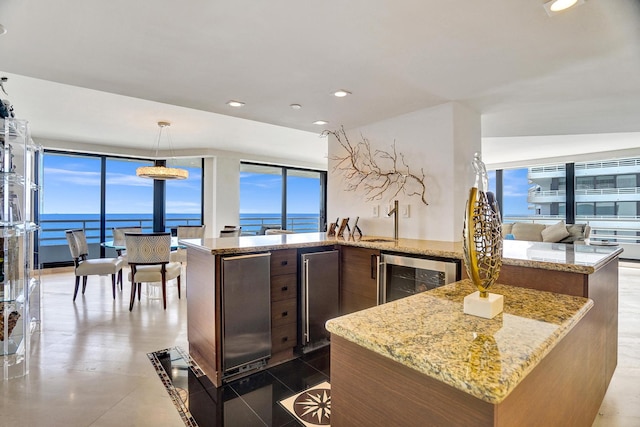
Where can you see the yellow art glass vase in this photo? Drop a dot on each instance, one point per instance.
(482, 238)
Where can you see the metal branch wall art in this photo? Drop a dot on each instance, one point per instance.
(378, 173)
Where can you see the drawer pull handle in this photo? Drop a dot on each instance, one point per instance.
(285, 288)
(285, 313)
(284, 262)
(285, 339)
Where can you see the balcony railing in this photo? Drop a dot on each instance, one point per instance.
(52, 240)
(52, 231)
(607, 191)
(542, 196)
(609, 164)
(298, 224)
(547, 169)
(547, 193)
(54, 249)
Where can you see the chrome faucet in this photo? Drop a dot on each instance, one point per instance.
(394, 212)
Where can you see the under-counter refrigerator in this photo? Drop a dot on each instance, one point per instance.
(246, 312)
(319, 296)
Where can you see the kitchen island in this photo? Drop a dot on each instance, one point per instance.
(205, 316)
(420, 361)
(578, 270)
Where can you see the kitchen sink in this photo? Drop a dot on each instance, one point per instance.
(377, 240)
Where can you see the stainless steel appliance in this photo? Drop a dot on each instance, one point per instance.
(319, 296)
(400, 276)
(246, 312)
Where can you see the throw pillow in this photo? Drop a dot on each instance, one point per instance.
(554, 233)
(576, 233)
(528, 231)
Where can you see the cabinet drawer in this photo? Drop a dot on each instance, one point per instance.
(283, 312)
(283, 287)
(283, 262)
(283, 338)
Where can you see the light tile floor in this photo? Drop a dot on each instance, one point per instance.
(89, 365)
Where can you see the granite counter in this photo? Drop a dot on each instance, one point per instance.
(420, 361)
(430, 333)
(582, 259)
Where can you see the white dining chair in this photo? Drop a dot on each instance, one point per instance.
(118, 240)
(149, 257)
(84, 267)
(186, 232)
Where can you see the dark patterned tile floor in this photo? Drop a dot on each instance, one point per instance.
(246, 402)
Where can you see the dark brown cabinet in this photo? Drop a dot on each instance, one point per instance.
(284, 303)
(359, 278)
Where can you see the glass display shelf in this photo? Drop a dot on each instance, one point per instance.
(20, 162)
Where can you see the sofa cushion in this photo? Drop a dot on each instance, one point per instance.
(527, 231)
(576, 233)
(555, 233)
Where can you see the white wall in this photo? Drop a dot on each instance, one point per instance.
(226, 193)
(441, 140)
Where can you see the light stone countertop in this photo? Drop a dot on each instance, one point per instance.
(578, 258)
(430, 333)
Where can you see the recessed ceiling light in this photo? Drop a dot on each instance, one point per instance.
(236, 104)
(321, 122)
(295, 106)
(341, 93)
(555, 6)
(3, 30)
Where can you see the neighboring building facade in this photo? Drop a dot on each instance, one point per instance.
(607, 196)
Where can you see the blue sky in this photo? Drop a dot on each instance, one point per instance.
(72, 185)
(515, 187)
(261, 193)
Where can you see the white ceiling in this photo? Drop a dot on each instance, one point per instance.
(106, 72)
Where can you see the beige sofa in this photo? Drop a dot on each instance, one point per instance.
(553, 233)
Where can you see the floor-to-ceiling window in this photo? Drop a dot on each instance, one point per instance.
(515, 191)
(491, 175)
(183, 199)
(605, 194)
(536, 193)
(71, 199)
(128, 198)
(281, 197)
(97, 193)
(304, 200)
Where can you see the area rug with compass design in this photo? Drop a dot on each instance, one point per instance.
(311, 407)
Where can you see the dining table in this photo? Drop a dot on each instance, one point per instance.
(119, 248)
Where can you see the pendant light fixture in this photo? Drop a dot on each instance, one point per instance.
(162, 172)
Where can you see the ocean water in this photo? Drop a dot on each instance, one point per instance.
(53, 226)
